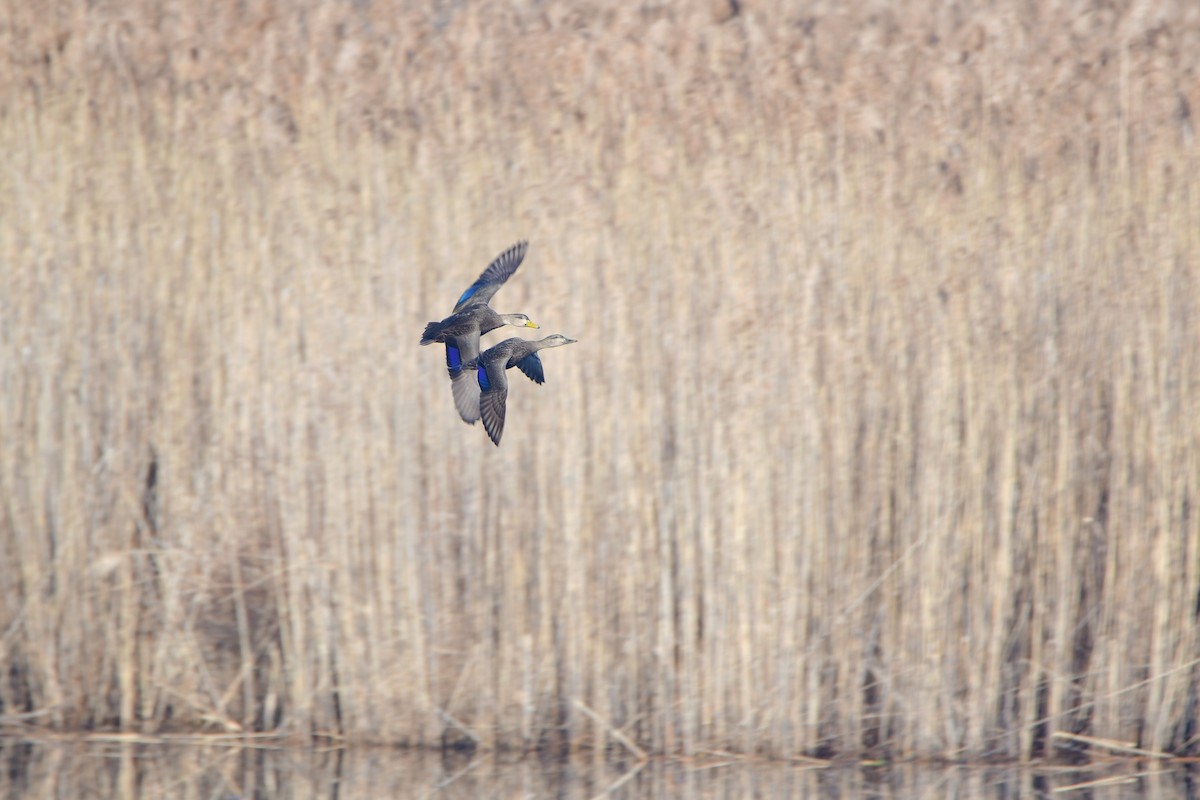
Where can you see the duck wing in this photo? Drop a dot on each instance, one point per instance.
(465, 387)
(492, 278)
(531, 365)
(461, 350)
(463, 382)
(493, 395)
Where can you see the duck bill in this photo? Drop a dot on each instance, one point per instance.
(531, 324)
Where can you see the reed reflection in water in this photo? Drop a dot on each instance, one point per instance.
(202, 770)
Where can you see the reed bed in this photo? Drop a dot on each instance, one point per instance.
(881, 436)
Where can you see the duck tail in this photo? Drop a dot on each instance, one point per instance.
(431, 332)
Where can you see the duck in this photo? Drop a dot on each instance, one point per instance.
(489, 370)
(471, 318)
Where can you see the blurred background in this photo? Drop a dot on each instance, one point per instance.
(882, 434)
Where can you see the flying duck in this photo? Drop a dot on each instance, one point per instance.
(489, 371)
(473, 317)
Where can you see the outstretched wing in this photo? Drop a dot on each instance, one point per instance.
(461, 350)
(463, 383)
(465, 387)
(492, 278)
(493, 386)
(531, 365)
(491, 409)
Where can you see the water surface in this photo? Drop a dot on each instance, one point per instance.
(72, 769)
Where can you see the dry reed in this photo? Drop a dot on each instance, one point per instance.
(881, 435)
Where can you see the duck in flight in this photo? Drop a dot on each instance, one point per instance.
(490, 368)
(472, 317)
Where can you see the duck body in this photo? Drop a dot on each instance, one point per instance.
(472, 317)
(461, 331)
(490, 372)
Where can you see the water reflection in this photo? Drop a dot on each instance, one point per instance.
(127, 770)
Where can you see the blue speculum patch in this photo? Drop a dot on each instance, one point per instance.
(483, 378)
(474, 288)
(453, 359)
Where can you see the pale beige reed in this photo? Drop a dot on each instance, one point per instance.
(881, 434)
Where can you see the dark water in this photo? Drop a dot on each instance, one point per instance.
(215, 772)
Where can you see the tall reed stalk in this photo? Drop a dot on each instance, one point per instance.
(881, 436)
